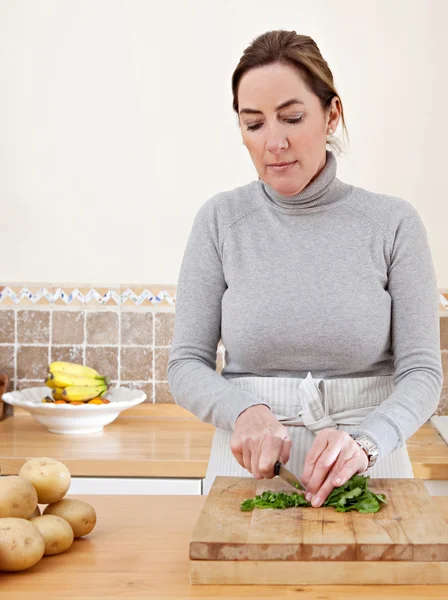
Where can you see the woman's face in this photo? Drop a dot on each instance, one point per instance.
(274, 133)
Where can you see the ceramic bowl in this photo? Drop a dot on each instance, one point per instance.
(67, 419)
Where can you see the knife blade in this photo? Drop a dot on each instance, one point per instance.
(287, 476)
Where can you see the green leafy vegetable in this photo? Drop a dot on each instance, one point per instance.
(353, 495)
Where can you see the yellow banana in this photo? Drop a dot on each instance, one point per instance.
(62, 380)
(58, 395)
(76, 393)
(49, 383)
(73, 369)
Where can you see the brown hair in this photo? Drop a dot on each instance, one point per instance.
(299, 51)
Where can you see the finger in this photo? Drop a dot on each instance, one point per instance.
(269, 454)
(353, 465)
(338, 477)
(237, 450)
(323, 465)
(318, 446)
(247, 454)
(255, 459)
(285, 451)
(334, 475)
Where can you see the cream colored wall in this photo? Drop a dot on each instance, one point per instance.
(116, 122)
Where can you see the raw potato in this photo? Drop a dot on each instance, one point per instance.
(35, 514)
(57, 533)
(18, 498)
(21, 544)
(50, 477)
(80, 515)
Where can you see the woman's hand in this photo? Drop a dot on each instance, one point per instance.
(333, 458)
(259, 440)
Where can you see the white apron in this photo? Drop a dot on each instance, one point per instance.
(305, 406)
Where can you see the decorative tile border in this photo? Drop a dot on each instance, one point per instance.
(33, 294)
(68, 297)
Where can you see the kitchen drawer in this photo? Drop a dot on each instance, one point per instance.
(135, 486)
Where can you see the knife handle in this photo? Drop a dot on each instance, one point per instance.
(277, 466)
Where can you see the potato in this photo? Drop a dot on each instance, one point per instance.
(18, 498)
(21, 544)
(35, 514)
(80, 515)
(50, 477)
(57, 533)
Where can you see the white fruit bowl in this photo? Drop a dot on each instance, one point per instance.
(64, 418)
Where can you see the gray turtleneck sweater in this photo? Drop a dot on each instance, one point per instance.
(336, 280)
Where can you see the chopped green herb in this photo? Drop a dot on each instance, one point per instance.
(353, 495)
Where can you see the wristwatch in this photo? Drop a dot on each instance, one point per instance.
(369, 447)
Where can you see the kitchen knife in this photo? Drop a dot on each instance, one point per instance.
(287, 476)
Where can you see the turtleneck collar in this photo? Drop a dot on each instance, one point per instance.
(323, 191)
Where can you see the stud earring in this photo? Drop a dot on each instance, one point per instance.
(330, 132)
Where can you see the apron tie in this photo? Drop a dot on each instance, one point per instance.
(314, 410)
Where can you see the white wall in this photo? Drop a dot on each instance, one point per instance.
(116, 122)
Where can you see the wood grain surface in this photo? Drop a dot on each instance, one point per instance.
(139, 549)
(408, 528)
(154, 440)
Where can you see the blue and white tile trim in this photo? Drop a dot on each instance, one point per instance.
(118, 296)
(92, 295)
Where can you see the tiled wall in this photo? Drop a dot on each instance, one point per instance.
(125, 334)
(130, 347)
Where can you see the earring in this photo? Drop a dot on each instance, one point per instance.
(330, 132)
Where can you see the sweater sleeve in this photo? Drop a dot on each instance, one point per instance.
(191, 373)
(415, 335)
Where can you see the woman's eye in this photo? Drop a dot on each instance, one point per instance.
(258, 125)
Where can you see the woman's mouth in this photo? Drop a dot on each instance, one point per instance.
(280, 167)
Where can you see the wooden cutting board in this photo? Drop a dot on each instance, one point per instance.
(405, 542)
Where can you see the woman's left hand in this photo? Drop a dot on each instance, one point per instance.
(333, 458)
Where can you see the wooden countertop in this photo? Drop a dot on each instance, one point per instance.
(158, 441)
(139, 549)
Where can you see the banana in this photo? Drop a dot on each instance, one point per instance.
(76, 393)
(49, 383)
(73, 369)
(62, 380)
(57, 395)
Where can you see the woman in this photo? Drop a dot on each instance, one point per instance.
(324, 295)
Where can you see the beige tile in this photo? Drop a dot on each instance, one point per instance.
(164, 328)
(148, 388)
(33, 326)
(32, 362)
(444, 355)
(444, 333)
(104, 360)
(163, 394)
(161, 356)
(102, 327)
(136, 328)
(67, 327)
(442, 409)
(136, 364)
(67, 353)
(7, 361)
(219, 362)
(7, 327)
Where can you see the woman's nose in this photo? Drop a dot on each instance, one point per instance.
(276, 143)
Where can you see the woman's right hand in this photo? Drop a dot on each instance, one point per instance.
(259, 441)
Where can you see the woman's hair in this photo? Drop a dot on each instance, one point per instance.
(298, 51)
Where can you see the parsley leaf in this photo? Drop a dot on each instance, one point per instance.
(353, 495)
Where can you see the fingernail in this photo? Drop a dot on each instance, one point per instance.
(337, 481)
(308, 496)
(316, 501)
